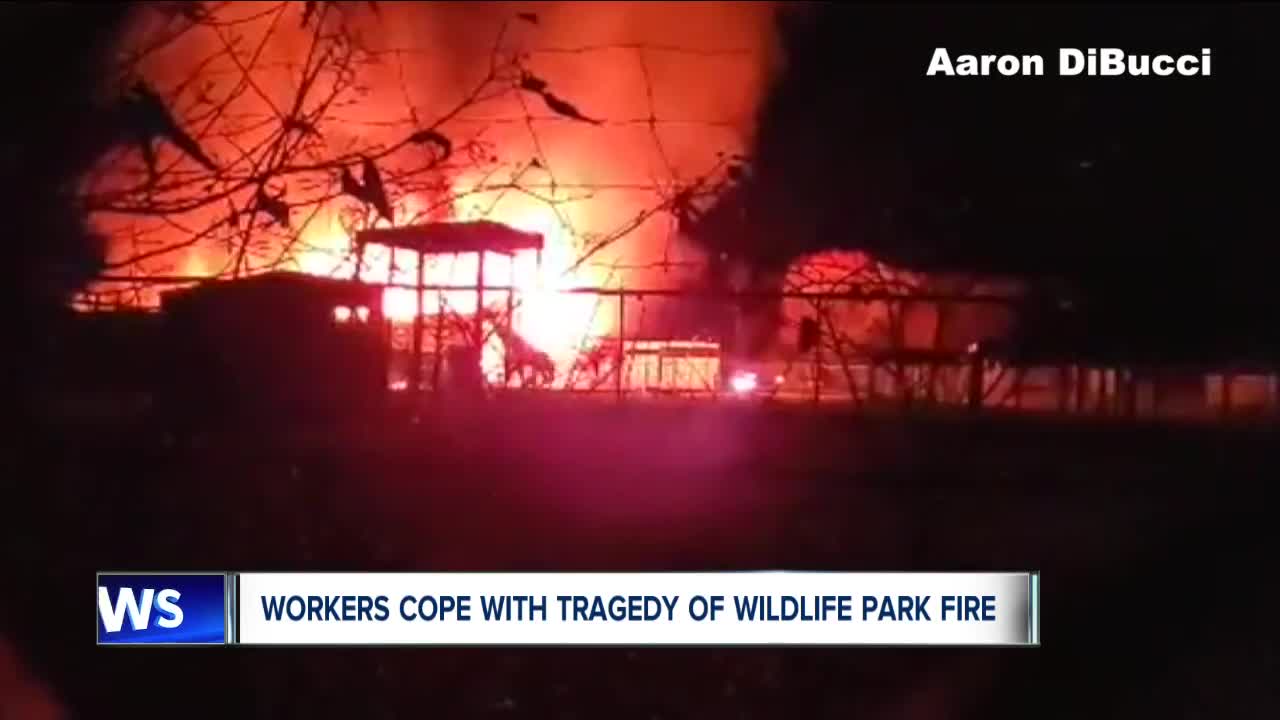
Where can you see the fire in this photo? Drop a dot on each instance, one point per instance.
(551, 320)
(674, 86)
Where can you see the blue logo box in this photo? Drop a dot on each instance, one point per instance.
(163, 609)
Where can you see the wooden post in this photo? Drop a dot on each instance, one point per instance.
(977, 365)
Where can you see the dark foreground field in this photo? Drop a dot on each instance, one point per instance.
(1151, 542)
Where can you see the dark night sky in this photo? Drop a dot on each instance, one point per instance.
(1168, 226)
(53, 58)
(1152, 196)
(856, 119)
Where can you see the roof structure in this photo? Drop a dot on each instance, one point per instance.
(453, 237)
(323, 289)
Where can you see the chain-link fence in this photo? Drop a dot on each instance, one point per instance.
(861, 349)
(910, 352)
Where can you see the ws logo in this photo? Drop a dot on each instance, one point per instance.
(165, 601)
(162, 609)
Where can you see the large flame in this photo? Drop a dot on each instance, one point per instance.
(547, 316)
(674, 86)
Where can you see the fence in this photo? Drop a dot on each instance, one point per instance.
(909, 351)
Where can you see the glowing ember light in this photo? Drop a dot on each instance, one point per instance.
(398, 385)
(743, 382)
(341, 314)
(779, 379)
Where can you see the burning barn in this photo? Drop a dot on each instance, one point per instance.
(295, 343)
(446, 341)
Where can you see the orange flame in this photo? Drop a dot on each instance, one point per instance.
(675, 83)
(553, 321)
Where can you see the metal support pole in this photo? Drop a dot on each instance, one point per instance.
(620, 361)
(415, 371)
(479, 318)
(1227, 380)
(1082, 388)
(1132, 382)
(1064, 381)
(1104, 391)
(439, 361)
(977, 368)
(817, 356)
(1157, 394)
(388, 331)
(511, 311)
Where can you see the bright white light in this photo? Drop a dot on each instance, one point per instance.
(779, 379)
(362, 312)
(743, 382)
(341, 314)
